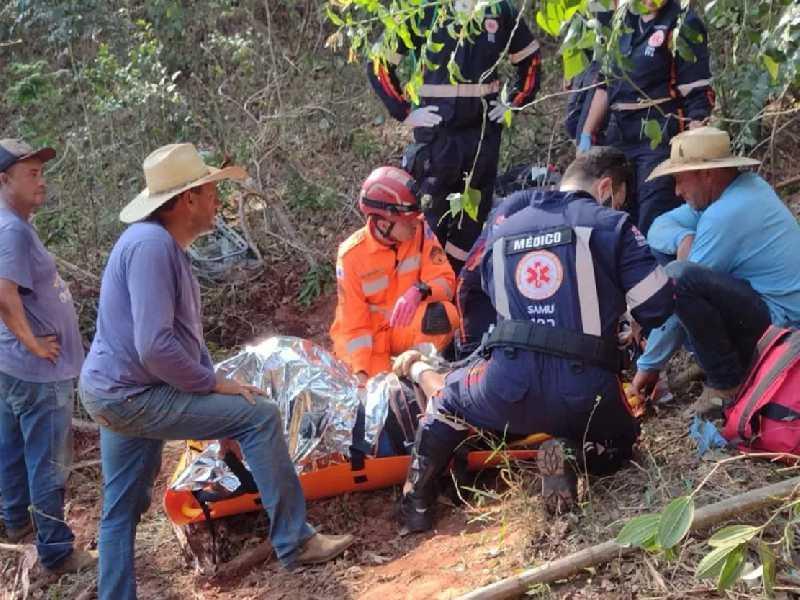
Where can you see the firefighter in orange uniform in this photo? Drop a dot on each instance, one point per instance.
(395, 285)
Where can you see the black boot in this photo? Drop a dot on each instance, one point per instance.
(557, 462)
(429, 459)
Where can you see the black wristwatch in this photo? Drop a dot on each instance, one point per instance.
(424, 289)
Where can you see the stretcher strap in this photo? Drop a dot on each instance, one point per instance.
(359, 448)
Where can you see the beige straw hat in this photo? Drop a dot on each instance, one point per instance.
(699, 149)
(168, 171)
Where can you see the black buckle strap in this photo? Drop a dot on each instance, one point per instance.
(556, 341)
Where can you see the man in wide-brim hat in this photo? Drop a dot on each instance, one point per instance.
(149, 377)
(737, 246)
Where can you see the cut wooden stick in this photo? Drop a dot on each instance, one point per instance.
(19, 548)
(84, 425)
(566, 566)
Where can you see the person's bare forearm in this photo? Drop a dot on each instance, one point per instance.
(13, 315)
(431, 382)
(597, 111)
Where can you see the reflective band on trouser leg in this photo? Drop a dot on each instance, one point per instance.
(646, 288)
(524, 53)
(499, 269)
(456, 252)
(442, 282)
(587, 284)
(435, 412)
(685, 88)
(364, 341)
(374, 286)
(408, 264)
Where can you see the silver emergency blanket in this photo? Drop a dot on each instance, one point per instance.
(319, 401)
(208, 472)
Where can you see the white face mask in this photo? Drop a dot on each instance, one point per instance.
(465, 6)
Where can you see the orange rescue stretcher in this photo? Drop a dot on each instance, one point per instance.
(331, 480)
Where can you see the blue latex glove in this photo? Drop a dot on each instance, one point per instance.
(584, 142)
(706, 435)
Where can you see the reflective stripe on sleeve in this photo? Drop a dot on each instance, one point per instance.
(685, 88)
(456, 252)
(499, 267)
(587, 284)
(364, 341)
(646, 288)
(408, 264)
(375, 285)
(443, 283)
(377, 309)
(458, 90)
(517, 57)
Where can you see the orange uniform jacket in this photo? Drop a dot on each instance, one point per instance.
(371, 277)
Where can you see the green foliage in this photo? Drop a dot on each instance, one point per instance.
(761, 47)
(676, 519)
(725, 562)
(315, 282)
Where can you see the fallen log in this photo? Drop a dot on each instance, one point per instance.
(19, 548)
(564, 567)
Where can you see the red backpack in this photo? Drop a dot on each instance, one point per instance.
(765, 417)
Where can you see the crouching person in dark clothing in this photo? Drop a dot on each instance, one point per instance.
(149, 377)
(560, 273)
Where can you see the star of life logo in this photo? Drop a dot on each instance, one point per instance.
(539, 275)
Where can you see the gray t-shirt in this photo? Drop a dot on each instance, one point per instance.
(149, 327)
(45, 299)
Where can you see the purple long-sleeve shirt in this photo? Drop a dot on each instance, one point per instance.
(149, 327)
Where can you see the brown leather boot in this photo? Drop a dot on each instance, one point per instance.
(77, 561)
(711, 403)
(320, 548)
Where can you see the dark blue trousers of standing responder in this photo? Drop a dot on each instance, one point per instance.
(661, 84)
(653, 198)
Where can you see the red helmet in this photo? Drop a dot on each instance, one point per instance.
(390, 193)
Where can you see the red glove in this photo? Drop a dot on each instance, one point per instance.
(405, 307)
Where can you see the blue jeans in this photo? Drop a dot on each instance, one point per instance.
(132, 435)
(723, 318)
(35, 455)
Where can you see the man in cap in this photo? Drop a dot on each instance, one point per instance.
(395, 286)
(149, 377)
(40, 358)
(737, 246)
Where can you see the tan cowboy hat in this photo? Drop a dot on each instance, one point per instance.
(700, 149)
(168, 171)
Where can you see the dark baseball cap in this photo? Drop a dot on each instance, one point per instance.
(13, 151)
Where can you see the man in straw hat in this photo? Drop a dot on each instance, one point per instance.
(40, 358)
(149, 377)
(737, 246)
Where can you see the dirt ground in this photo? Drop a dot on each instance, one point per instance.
(502, 530)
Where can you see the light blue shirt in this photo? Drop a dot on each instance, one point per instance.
(747, 233)
(46, 301)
